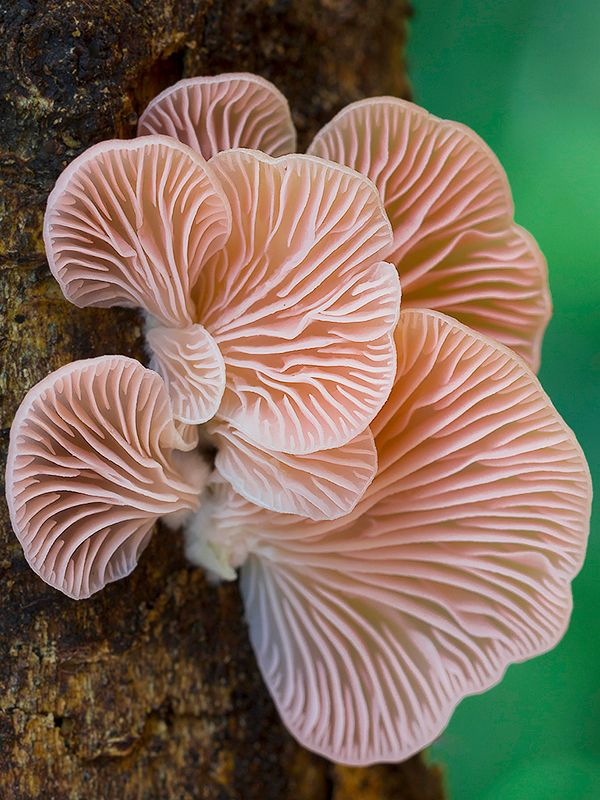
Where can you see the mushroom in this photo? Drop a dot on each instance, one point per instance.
(457, 562)
(405, 505)
(321, 485)
(94, 460)
(223, 112)
(456, 245)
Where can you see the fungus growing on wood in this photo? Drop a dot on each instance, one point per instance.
(405, 505)
(457, 562)
(456, 245)
(94, 460)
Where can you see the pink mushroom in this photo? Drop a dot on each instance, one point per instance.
(457, 562)
(456, 245)
(221, 113)
(94, 460)
(269, 307)
(436, 505)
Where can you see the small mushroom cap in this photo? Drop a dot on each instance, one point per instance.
(193, 369)
(457, 562)
(91, 468)
(456, 245)
(130, 223)
(299, 302)
(322, 485)
(211, 114)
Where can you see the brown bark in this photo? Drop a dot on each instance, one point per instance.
(150, 689)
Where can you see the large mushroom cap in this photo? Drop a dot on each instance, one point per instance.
(457, 562)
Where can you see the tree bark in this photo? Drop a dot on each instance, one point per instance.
(150, 689)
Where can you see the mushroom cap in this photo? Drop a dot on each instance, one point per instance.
(457, 562)
(456, 245)
(90, 469)
(322, 485)
(299, 301)
(211, 114)
(131, 223)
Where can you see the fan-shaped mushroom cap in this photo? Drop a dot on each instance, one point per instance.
(322, 485)
(369, 630)
(222, 112)
(456, 245)
(130, 223)
(90, 469)
(299, 302)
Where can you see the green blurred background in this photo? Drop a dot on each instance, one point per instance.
(526, 76)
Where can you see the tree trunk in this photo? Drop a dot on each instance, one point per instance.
(150, 689)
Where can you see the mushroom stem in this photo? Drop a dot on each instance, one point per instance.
(220, 549)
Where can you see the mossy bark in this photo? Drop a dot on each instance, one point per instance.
(150, 689)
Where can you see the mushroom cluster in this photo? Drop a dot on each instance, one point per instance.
(404, 504)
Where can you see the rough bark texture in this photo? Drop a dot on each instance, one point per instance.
(150, 689)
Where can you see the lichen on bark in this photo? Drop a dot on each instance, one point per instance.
(149, 689)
